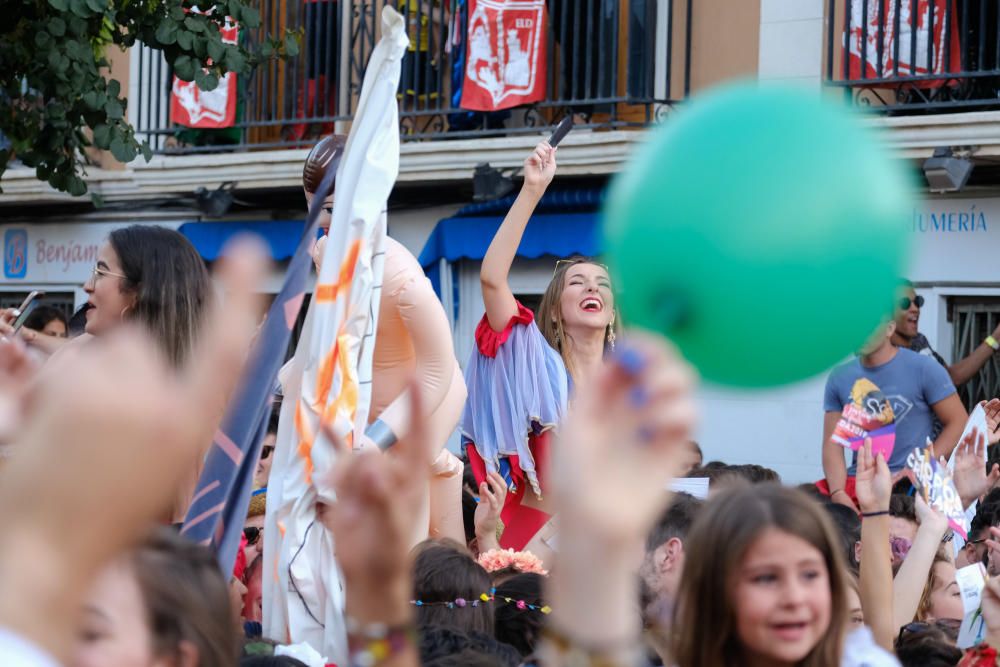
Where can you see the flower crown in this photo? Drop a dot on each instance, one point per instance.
(522, 561)
(461, 603)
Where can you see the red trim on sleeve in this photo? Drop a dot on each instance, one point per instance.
(489, 341)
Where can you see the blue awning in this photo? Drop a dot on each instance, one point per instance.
(554, 234)
(557, 200)
(208, 238)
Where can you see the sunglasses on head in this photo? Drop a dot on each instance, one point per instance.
(253, 534)
(948, 626)
(570, 262)
(904, 303)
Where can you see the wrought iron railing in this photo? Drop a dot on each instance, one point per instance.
(611, 63)
(915, 56)
(975, 318)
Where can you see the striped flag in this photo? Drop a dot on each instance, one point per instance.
(329, 379)
(222, 496)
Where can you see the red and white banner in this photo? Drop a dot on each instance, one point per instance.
(506, 54)
(920, 35)
(190, 106)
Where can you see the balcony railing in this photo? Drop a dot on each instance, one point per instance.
(915, 56)
(611, 63)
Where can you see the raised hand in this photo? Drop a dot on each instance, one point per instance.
(992, 409)
(379, 498)
(111, 435)
(540, 168)
(928, 516)
(873, 480)
(971, 480)
(492, 495)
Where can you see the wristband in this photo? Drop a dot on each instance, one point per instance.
(381, 434)
(866, 515)
(992, 342)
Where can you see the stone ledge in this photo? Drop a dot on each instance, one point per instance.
(916, 137)
(581, 153)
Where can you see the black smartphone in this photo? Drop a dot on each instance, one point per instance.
(562, 129)
(24, 310)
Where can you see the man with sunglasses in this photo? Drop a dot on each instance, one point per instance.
(907, 336)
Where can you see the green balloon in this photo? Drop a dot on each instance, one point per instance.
(761, 229)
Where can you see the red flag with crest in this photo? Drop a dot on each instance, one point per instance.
(506, 54)
(190, 106)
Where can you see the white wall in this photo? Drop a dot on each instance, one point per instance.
(791, 42)
(780, 429)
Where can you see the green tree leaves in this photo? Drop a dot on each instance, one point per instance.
(55, 98)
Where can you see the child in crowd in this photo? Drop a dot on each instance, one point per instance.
(766, 583)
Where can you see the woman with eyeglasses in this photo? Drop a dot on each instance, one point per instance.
(154, 278)
(523, 366)
(151, 276)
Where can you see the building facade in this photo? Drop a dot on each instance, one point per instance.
(617, 66)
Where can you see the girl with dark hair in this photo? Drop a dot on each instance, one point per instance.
(152, 276)
(47, 320)
(518, 624)
(448, 589)
(165, 603)
(508, 430)
(45, 329)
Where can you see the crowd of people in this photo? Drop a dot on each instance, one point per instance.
(574, 550)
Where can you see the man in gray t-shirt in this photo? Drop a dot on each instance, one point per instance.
(916, 387)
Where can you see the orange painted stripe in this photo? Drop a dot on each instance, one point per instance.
(325, 293)
(282, 530)
(347, 398)
(324, 379)
(304, 448)
(350, 262)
